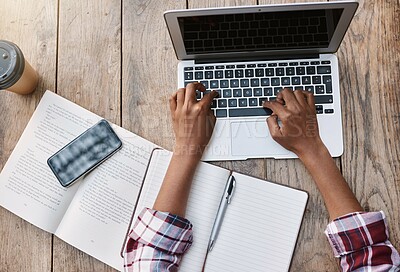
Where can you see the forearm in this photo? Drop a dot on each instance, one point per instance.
(175, 189)
(337, 195)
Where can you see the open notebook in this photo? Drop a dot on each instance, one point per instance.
(260, 227)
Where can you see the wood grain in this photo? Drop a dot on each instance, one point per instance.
(33, 29)
(370, 79)
(89, 61)
(149, 74)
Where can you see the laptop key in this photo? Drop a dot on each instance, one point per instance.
(232, 103)
(239, 73)
(319, 89)
(229, 73)
(253, 102)
(214, 84)
(277, 90)
(316, 80)
(213, 104)
(280, 72)
(267, 91)
(326, 62)
(310, 89)
(221, 113)
(247, 92)
(205, 83)
(188, 75)
(259, 72)
(198, 75)
(328, 111)
(244, 82)
(265, 82)
(275, 81)
(255, 82)
(300, 71)
(209, 75)
(296, 81)
(249, 72)
(299, 88)
(323, 70)
(257, 92)
(237, 92)
(188, 69)
(219, 74)
(269, 72)
(306, 80)
(222, 103)
(289, 71)
(249, 112)
(310, 70)
(323, 99)
(224, 83)
(243, 102)
(261, 101)
(234, 83)
(226, 93)
(285, 80)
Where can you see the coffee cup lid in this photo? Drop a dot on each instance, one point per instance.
(11, 64)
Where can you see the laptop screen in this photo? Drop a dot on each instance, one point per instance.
(246, 32)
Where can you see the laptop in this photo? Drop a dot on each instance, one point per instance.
(249, 54)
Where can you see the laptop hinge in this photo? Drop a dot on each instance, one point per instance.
(256, 58)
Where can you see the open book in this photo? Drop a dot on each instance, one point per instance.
(260, 227)
(94, 213)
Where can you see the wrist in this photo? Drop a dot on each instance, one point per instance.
(188, 152)
(313, 151)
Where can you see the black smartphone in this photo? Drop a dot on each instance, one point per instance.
(84, 153)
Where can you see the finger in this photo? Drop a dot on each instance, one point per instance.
(310, 99)
(276, 107)
(273, 126)
(288, 96)
(190, 93)
(208, 98)
(301, 98)
(180, 97)
(172, 102)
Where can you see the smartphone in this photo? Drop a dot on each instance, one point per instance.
(84, 153)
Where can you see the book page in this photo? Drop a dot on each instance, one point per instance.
(260, 227)
(99, 215)
(206, 192)
(28, 188)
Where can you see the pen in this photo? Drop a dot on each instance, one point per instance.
(225, 200)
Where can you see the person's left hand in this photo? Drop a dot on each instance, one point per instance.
(193, 121)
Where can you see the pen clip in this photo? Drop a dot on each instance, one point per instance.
(230, 188)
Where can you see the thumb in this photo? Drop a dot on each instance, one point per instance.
(273, 126)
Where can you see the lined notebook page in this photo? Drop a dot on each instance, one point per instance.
(260, 227)
(205, 195)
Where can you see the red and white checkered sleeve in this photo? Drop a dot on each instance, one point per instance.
(157, 241)
(361, 241)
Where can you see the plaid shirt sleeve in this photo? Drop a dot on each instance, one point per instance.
(157, 242)
(361, 241)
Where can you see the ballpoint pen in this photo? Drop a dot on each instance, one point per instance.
(225, 200)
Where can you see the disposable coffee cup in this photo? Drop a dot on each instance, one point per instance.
(16, 74)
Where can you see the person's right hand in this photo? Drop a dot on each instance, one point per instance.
(299, 128)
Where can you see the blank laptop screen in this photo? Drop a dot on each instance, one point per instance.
(260, 31)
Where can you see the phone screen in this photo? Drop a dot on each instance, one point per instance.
(84, 153)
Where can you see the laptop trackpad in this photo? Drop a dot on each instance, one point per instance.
(252, 138)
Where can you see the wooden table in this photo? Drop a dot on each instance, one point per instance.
(115, 58)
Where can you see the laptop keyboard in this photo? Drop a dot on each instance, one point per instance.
(243, 88)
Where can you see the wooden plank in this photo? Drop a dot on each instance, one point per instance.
(89, 62)
(370, 76)
(33, 28)
(312, 252)
(149, 74)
